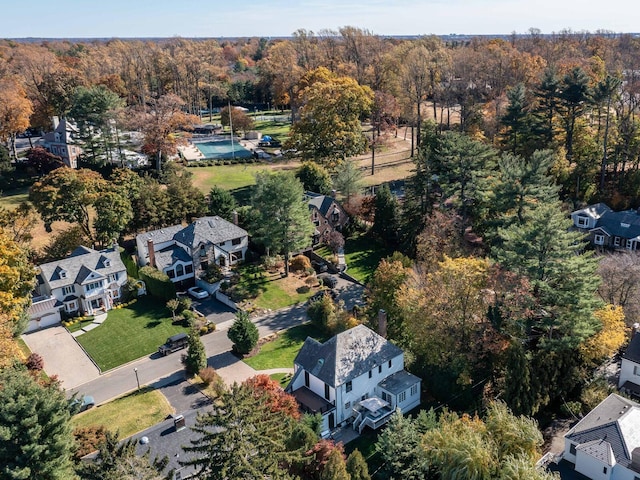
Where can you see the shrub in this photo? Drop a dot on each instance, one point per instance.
(243, 333)
(299, 263)
(88, 439)
(311, 280)
(130, 264)
(571, 409)
(184, 304)
(189, 318)
(208, 375)
(158, 283)
(203, 330)
(273, 263)
(303, 289)
(35, 362)
(213, 273)
(211, 327)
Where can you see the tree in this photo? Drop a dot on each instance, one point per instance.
(196, 358)
(222, 203)
(17, 279)
(620, 275)
(515, 118)
(270, 390)
(385, 222)
(314, 178)
(357, 466)
(173, 305)
(574, 98)
(283, 223)
(609, 339)
(329, 126)
(15, 110)
(113, 214)
(42, 162)
(243, 333)
(546, 111)
(348, 179)
(335, 467)
(242, 438)
(384, 286)
(63, 243)
(19, 223)
(400, 446)
(36, 442)
(151, 208)
(186, 201)
(240, 121)
(335, 241)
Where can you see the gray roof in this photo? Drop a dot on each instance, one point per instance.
(159, 236)
(632, 352)
(616, 422)
(620, 224)
(170, 255)
(345, 356)
(596, 210)
(209, 229)
(321, 202)
(78, 266)
(399, 382)
(600, 449)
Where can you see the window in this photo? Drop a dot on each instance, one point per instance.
(107, 263)
(402, 397)
(188, 268)
(370, 373)
(335, 217)
(604, 470)
(349, 386)
(316, 223)
(68, 290)
(115, 293)
(583, 221)
(598, 239)
(236, 241)
(636, 370)
(63, 274)
(379, 368)
(171, 274)
(203, 251)
(414, 390)
(179, 270)
(572, 449)
(616, 242)
(113, 277)
(385, 397)
(327, 394)
(71, 306)
(306, 379)
(93, 286)
(204, 265)
(347, 405)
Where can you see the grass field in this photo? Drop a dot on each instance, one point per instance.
(363, 256)
(15, 198)
(280, 130)
(129, 333)
(281, 352)
(127, 415)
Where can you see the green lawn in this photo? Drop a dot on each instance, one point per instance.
(363, 255)
(280, 130)
(127, 415)
(228, 177)
(281, 352)
(14, 198)
(129, 333)
(80, 325)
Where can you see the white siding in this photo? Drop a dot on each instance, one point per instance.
(627, 372)
(592, 467)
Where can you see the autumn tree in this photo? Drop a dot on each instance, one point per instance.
(63, 243)
(612, 335)
(620, 285)
(239, 121)
(328, 130)
(15, 110)
(283, 223)
(42, 162)
(19, 222)
(270, 390)
(17, 278)
(36, 442)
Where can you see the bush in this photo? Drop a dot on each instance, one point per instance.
(243, 333)
(88, 439)
(130, 264)
(311, 280)
(158, 283)
(208, 375)
(571, 409)
(213, 273)
(196, 358)
(129, 290)
(299, 263)
(184, 304)
(303, 289)
(35, 362)
(273, 263)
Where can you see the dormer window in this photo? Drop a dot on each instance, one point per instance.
(583, 221)
(625, 225)
(63, 274)
(107, 263)
(203, 251)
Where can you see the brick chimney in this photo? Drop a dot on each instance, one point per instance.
(152, 253)
(382, 323)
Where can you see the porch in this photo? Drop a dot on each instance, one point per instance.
(372, 412)
(311, 402)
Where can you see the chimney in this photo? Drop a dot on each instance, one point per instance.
(382, 323)
(333, 193)
(55, 121)
(152, 253)
(635, 460)
(235, 217)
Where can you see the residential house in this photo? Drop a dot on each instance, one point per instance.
(184, 252)
(61, 141)
(605, 444)
(355, 377)
(629, 380)
(326, 214)
(608, 229)
(88, 281)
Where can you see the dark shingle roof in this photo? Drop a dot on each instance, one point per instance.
(399, 382)
(345, 356)
(621, 224)
(632, 351)
(168, 256)
(616, 420)
(321, 202)
(209, 229)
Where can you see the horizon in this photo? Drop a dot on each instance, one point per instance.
(78, 19)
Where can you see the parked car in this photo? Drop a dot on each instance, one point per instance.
(318, 296)
(319, 267)
(174, 343)
(197, 292)
(328, 280)
(79, 405)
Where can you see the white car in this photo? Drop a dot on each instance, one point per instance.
(197, 292)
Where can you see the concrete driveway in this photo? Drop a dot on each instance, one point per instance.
(215, 311)
(62, 356)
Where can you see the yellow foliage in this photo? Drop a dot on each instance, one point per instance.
(16, 277)
(610, 338)
(9, 348)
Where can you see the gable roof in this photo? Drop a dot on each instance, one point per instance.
(209, 229)
(613, 424)
(632, 352)
(83, 265)
(621, 224)
(596, 210)
(346, 355)
(321, 202)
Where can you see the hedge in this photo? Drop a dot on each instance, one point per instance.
(129, 263)
(158, 284)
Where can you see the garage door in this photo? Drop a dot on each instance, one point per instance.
(48, 320)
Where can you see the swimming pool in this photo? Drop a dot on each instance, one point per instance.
(222, 149)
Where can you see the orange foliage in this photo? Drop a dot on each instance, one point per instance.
(276, 397)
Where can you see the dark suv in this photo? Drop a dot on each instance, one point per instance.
(174, 343)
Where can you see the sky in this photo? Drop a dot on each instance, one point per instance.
(277, 18)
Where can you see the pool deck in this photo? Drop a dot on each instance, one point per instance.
(191, 153)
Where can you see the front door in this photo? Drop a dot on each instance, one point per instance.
(332, 421)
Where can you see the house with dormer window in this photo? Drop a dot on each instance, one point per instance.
(608, 229)
(327, 216)
(184, 252)
(357, 377)
(86, 282)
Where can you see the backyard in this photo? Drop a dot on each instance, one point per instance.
(128, 414)
(129, 333)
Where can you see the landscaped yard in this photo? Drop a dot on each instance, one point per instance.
(14, 198)
(127, 415)
(129, 333)
(281, 352)
(363, 255)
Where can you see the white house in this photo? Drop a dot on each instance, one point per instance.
(629, 380)
(605, 444)
(608, 229)
(61, 141)
(183, 252)
(87, 281)
(355, 377)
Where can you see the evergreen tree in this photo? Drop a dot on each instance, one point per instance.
(348, 179)
(196, 358)
(186, 202)
(515, 119)
(574, 98)
(35, 433)
(385, 223)
(335, 468)
(357, 466)
(222, 203)
(243, 333)
(242, 437)
(113, 214)
(400, 446)
(314, 178)
(283, 223)
(546, 111)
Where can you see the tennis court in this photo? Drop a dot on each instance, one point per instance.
(222, 149)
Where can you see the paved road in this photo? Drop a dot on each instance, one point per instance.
(158, 371)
